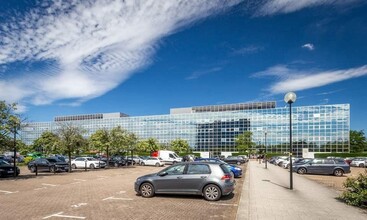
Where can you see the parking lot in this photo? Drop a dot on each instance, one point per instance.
(102, 194)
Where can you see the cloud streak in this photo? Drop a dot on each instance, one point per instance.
(288, 79)
(88, 48)
(272, 7)
(308, 46)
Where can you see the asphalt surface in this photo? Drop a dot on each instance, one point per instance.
(102, 194)
(266, 195)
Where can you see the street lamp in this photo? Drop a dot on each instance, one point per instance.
(266, 163)
(290, 98)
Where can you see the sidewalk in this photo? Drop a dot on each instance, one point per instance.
(266, 195)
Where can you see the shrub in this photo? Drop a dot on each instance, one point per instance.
(356, 190)
(27, 160)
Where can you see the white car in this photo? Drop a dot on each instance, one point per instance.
(153, 161)
(87, 162)
(359, 162)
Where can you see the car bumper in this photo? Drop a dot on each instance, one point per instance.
(228, 188)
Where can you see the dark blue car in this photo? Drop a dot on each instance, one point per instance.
(236, 171)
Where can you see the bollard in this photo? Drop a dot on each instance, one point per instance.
(85, 165)
(36, 169)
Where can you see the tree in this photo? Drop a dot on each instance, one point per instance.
(358, 141)
(101, 140)
(71, 138)
(48, 142)
(244, 141)
(119, 140)
(153, 144)
(8, 121)
(180, 146)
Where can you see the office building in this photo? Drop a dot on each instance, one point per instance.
(319, 128)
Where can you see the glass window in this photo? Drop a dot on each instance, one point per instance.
(198, 169)
(176, 170)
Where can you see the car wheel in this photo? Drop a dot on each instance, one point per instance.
(212, 192)
(157, 165)
(116, 164)
(287, 166)
(361, 165)
(301, 170)
(73, 166)
(33, 169)
(52, 169)
(174, 162)
(238, 163)
(147, 190)
(91, 166)
(338, 172)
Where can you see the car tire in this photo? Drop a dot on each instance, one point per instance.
(33, 169)
(147, 190)
(174, 162)
(238, 163)
(52, 169)
(73, 166)
(91, 166)
(338, 172)
(212, 192)
(302, 170)
(361, 165)
(116, 164)
(142, 164)
(157, 165)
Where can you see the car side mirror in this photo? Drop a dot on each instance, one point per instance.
(310, 164)
(162, 174)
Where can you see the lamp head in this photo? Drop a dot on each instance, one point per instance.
(290, 97)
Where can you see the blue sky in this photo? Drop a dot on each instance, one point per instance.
(145, 57)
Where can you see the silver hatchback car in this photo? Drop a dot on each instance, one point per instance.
(212, 180)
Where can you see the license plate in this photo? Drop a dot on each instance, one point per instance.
(10, 171)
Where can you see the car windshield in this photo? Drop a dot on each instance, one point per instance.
(2, 162)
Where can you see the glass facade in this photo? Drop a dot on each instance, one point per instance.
(322, 128)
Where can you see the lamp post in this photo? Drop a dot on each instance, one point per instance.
(290, 98)
(265, 157)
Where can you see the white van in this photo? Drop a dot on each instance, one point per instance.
(168, 157)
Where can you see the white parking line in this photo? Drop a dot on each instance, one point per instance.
(113, 198)
(225, 204)
(63, 216)
(79, 205)
(80, 180)
(75, 182)
(40, 188)
(8, 192)
(121, 192)
(46, 184)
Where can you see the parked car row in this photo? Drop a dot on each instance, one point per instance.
(331, 166)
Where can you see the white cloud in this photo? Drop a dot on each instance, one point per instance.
(296, 80)
(88, 47)
(308, 46)
(270, 7)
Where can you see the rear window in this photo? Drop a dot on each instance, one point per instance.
(224, 168)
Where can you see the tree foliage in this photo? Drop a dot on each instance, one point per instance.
(358, 141)
(244, 141)
(9, 123)
(71, 139)
(180, 146)
(48, 143)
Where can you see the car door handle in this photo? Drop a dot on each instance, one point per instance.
(203, 177)
(179, 177)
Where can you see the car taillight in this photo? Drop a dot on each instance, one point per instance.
(226, 177)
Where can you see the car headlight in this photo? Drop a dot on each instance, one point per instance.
(237, 168)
